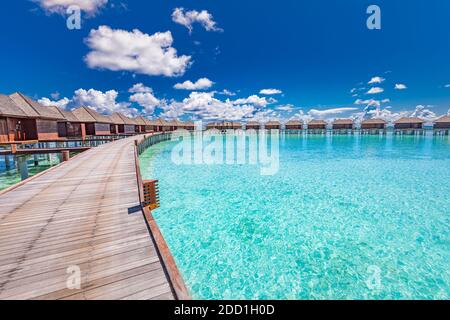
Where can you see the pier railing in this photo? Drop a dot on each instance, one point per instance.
(148, 197)
(150, 140)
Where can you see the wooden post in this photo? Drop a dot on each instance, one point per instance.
(7, 162)
(23, 167)
(65, 156)
(83, 131)
(36, 160)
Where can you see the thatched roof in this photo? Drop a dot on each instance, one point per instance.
(149, 122)
(180, 124)
(172, 123)
(214, 125)
(85, 114)
(162, 122)
(317, 122)
(444, 119)
(9, 109)
(189, 124)
(126, 120)
(409, 120)
(24, 106)
(294, 123)
(253, 123)
(343, 121)
(68, 115)
(116, 119)
(273, 123)
(236, 125)
(374, 121)
(140, 121)
(29, 105)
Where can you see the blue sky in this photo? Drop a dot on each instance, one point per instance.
(319, 54)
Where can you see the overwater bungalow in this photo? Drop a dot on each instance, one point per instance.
(151, 125)
(317, 125)
(236, 126)
(253, 125)
(273, 125)
(442, 125)
(189, 125)
(140, 124)
(214, 125)
(122, 124)
(95, 123)
(44, 125)
(173, 124)
(164, 126)
(374, 126)
(294, 125)
(409, 123)
(409, 126)
(15, 124)
(343, 124)
(71, 127)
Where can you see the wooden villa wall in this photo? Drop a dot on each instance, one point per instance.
(3, 130)
(408, 126)
(70, 130)
(442, 125)
(294, 127)
(102, 129)
(127, 128)
(342, 126)
(47, 129)
(62, 129)
(27, 130)
(317, 126)
(373, 126)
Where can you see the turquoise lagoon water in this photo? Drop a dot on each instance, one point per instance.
(346, 217)
(10, 176)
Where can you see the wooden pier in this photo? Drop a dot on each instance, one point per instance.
(43, 150)
(82, 220)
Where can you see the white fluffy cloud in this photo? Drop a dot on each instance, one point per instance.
(329, 112)
(102, 102)
(135, 51)
(144, 97)
(369, 102)
(270, 91)
(200, 84)
(205, 106)
(375, 80)
(62, 103)
(254, 100)
(400, 86)
(375, 90)
(188, 18)
(287, 107)
(424, 113)
(60, 6)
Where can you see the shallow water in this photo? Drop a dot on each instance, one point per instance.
(346, 217)
(11, 176)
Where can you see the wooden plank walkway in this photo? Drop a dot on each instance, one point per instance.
(78, 214)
